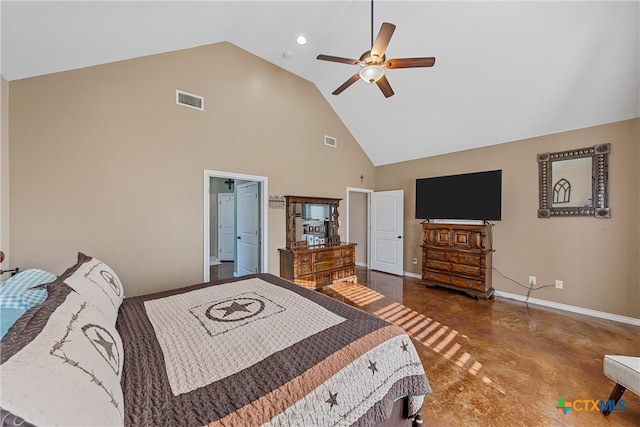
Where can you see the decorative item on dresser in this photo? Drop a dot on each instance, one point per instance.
(458, 256)
(314, 255)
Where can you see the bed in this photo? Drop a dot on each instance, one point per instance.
(254, 350)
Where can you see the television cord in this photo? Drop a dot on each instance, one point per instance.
(529, 288)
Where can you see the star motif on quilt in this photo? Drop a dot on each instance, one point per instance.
(234, 307)
(108, 346)
(333, 399)
(372, 366)
(405, 346)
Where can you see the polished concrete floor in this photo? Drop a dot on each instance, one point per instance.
(501, 362)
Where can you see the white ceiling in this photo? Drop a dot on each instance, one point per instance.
(504, 71)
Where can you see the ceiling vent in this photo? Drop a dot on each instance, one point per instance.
(330, 141)
(189, 100)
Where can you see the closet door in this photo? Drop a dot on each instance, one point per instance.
(226, 226)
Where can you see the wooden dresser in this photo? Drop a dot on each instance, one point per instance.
(321, 265)
(458, 257)
(314, 255)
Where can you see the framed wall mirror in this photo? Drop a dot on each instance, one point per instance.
(574, 182)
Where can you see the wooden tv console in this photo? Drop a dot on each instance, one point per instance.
(458, 257)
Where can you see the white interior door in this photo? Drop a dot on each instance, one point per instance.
(248, 248)
(226, 226)
(387, 231)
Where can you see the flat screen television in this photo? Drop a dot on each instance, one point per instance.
(469, 196)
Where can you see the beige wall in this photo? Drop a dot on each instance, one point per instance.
(596, 258)
(4, 175)
(103, 160)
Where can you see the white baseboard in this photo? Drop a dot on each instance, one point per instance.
(572, 308)
(414, 275)
(214, 261)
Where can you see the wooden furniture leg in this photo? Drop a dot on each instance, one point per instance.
(616, 394)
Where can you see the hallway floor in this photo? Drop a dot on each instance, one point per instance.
(501, 362)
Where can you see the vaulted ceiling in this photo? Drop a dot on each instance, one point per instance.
(504, 71)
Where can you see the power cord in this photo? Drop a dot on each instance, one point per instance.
(421, 239)
(529, 288)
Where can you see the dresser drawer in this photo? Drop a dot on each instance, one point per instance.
(435, 276)
(341, 274)
(477, 285)
(437, 255)
(466, 239)
(465, 258)
(327, 255)
(438, 265)
(304, 269)
(303, 258)
(327, 265)
(323, 279)
(440, 237)
(347, 252)
(467, 270)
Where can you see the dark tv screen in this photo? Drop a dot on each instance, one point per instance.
(470, 196)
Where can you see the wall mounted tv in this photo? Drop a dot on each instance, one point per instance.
(469, 196)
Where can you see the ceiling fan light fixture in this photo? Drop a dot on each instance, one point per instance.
(371, 73)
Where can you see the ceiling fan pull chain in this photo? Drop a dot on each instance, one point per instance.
(372, 24)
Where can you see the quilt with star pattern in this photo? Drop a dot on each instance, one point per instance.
(261, 351)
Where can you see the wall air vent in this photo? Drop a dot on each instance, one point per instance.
(189, 100)
(330, 141)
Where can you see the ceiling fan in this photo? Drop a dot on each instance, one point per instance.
(373, 62)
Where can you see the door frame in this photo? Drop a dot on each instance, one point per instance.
(368, 191)
(263, 218)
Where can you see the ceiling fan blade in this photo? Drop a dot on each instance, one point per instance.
(385, 87)
(339, 59)
(346, 84)
(409, 62)
(382, 40)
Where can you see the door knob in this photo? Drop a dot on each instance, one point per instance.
(238, 237)
(399, 237)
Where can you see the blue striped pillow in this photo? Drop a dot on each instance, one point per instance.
(16, 291)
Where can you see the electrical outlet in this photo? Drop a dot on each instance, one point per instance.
(559, 284)
(532, 280)
(415, 260)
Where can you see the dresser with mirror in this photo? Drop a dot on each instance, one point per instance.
(314, 255)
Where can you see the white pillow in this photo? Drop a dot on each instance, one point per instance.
(61, 365)
(98, 283)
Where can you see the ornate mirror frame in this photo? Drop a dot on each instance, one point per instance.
(599, 208)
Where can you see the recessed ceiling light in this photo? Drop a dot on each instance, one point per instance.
(301, 40)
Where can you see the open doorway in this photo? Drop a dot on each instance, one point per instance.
(227, 229)
(358, 217)
(375, 222)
